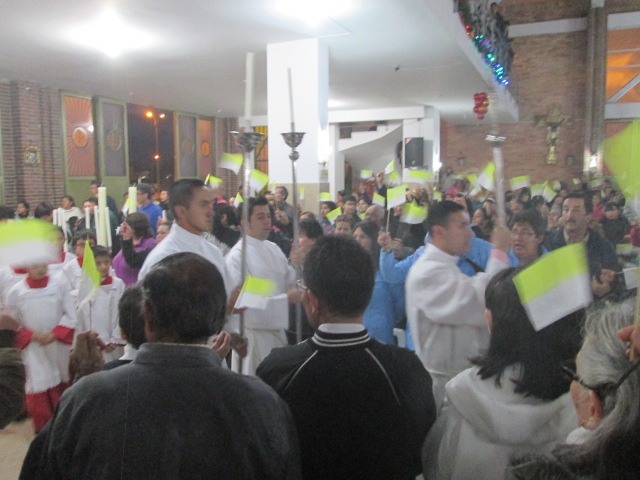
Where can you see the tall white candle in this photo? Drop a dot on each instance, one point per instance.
(107, 226)
(248, 90)
(87, 217)
(54, 220)
(293, 122)
(133, 199)
(96, 219)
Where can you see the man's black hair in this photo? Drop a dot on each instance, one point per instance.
(100, 251)
(130, 319)
(285, 192)
(336, 264)
(439, 213)
(83, 235)
(181, 193)
(588, 200)
(185, 299)
(311, 228)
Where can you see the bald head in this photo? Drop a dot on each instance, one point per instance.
(375, 214)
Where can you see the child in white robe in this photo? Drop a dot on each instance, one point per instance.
(56, 268)
(9, 276)
(72, 271)
(43, 307)
(98, 312)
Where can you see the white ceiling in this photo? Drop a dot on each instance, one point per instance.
(197, 61)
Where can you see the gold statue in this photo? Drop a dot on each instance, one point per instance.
(553, 120)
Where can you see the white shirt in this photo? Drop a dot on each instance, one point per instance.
(180, 240)
(445, 309)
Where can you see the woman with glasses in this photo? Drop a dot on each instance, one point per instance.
(606, 393)
(515, 398)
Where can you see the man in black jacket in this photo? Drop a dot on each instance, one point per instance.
(362, 409)
(601, 254)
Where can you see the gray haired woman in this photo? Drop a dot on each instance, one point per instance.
(606, 393)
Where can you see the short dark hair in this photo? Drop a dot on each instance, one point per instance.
(611, 206)
(93, 200)
(185, 298)
(43, 209)
(100, 251)
(181, 193)
(514, 341)
(70, 198)
(255, 202)
(285, 192)
(310, 228)
(24, 202)
(95, 182)
(130, 319)
(349, 198)
(332, 205)
(146, 189)
(83, 235)
(533, 218)
(140, 225)
(588, 200)
(440, 212)
(336, 264)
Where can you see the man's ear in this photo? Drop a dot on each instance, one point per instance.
(595, 410)
(312, 308)
(147, 313)
(180, 211)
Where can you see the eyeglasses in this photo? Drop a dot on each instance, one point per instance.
(603, 389)
(522, 233)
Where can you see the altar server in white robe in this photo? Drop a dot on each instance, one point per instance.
(98, 312)
(47, 317)
(264, 329)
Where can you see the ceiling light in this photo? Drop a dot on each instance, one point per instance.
(110, 34)
(312, 12)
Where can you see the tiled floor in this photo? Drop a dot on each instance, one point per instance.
(14, 442)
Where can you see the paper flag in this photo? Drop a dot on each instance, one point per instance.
(301, 193)
(547, 192)
(420, 177)
(89, 266)
(389, 168)
(437, 196)
(378, 199)
(396, 196)
(394, 178)
(28, 242)
(231, 161)
(239, 199)
(549, 293)
(366, 174)
(413, 214)
(255, 293)
(258, 179)
(622, 156)
(326, 197)
(333, 214)
(519, 182)
(486, 178)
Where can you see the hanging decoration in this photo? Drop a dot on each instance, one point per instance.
(481, 105)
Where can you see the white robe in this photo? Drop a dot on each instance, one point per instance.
(57, 268)
(41, 310)
(480, 426)
(8, 278)
(180, 240)
(100, 314)
(445, 310)
(264, 329)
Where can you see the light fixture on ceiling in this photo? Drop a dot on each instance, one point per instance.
(110, 34)
(312, 12)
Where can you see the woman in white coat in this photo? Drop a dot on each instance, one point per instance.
(514, 399)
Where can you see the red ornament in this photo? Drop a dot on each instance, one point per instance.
(481, 101)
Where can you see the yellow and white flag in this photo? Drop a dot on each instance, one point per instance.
(519, 182)
(487, 178)
(421, 177)
(255, 293)
(389, 168)
(413, 213)
(622, 156)
(378, 199)
(231, 161)
(28, 242)
(547, 192)
(366, 174)
(258, 179)
(212, 181)
(548, 292)
(396, 196)
(537, 190)
(333, 214)
(326, 197)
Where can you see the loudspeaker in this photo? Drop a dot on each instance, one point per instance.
(413, 152)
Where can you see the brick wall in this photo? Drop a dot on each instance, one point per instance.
(31, 118)
(552, 71)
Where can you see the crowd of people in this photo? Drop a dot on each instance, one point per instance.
(417, 355)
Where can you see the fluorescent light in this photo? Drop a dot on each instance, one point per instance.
(110, 34)
(312, 12)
